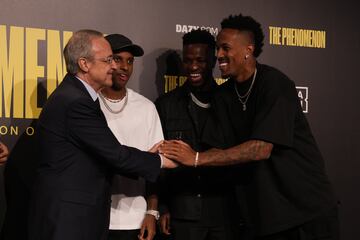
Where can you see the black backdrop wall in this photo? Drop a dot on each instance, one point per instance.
(316, 43)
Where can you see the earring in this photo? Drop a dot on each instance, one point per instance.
(246, 56)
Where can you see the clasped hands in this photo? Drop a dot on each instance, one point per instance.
(174, 152)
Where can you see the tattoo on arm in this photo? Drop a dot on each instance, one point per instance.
(253, 150)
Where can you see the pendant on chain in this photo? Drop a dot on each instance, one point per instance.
(247, 94)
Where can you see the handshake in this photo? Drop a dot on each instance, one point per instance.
(175, 152)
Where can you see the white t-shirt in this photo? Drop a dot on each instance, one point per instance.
(137, 125)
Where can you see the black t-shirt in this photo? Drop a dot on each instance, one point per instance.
(290, 187)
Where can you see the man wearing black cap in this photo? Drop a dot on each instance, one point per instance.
(134, 121)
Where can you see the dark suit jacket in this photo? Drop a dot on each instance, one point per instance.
(78, 155)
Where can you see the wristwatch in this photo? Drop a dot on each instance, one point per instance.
(154, 213)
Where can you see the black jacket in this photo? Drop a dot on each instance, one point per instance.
(185, 189)
(78, 155)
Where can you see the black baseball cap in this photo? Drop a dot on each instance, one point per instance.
(121, 43)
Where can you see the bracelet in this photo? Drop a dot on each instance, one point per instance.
(153, 213)
(196, 159)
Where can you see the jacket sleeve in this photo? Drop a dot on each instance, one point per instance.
(87, 128)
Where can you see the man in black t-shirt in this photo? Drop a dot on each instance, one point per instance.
(263, 128)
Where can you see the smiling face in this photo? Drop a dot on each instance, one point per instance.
(232, 48)
(124, 68)
(198, 63)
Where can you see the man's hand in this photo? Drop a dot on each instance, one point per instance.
(165, 223)
(168, 163)
(179, 151)
(148, 226)
(4, 152)
(155, 148)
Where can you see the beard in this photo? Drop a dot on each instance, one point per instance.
(117, 84)
(225, 75)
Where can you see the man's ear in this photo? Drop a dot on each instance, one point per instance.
(250, 49)
(83, 64)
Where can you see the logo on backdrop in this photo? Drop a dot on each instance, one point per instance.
(172, 81)
(181, 28)
(297, 37)
(22, 67)
(31, 67)
(303, 94)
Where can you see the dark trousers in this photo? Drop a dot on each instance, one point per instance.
(325, 227)
(217, 221)
(189, 230)
(123, 234)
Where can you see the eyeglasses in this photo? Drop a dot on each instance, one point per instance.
(107, 60)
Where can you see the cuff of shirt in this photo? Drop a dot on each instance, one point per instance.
(161, 161)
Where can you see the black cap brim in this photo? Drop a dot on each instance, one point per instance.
(120, 43)
(134, 49)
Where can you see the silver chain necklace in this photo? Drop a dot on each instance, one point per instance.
(243, 99)
(105, 99)
(111, 100)
(197, 101)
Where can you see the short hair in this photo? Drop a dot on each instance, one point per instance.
(78, 46)
(246, 24)
(202, 37)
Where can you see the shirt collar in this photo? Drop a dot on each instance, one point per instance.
(90, 90)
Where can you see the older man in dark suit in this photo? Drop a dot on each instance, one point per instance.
(78, 152)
